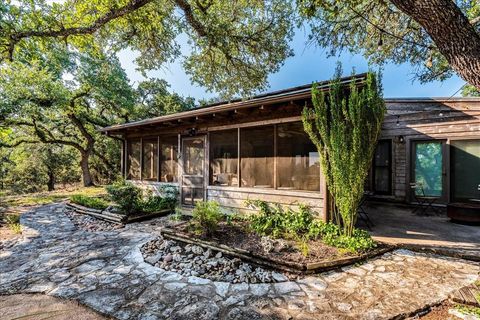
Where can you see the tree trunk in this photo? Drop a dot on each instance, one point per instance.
(86, 176)
(51, 180)
(452, 33)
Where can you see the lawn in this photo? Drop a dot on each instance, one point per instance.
(46, 197)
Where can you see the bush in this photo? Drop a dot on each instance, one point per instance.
(13, 223)
(126, 195)
(301, 225)
(206, 216)
(90, 202)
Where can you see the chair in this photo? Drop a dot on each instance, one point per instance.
(424, 202)
(362, 213)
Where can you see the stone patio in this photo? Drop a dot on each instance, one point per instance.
(105, 271)
(397, 224)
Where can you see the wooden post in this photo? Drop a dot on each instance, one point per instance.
(159, 154)
(275, 157)
(238, 158)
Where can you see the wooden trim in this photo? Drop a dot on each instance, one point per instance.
(293, 193)
(275, 173)
(122, 159)
(239, 169)
(256, 123)
(159, 162)
(141, 159)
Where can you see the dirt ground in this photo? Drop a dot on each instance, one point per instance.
(39, 307)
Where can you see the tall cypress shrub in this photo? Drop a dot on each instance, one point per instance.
(345, 124)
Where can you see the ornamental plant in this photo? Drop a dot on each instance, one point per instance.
(345, 124)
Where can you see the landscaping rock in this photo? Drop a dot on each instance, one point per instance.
(192, 260)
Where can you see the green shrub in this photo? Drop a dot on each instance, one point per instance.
(90, 202)
(206, 216)
(13, 223)
(274, 221)
(126, 195)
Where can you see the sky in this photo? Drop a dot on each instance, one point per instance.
(309, 64)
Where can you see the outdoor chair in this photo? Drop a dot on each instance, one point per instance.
(362, 213)
(424, 202)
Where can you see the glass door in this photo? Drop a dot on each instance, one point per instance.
(465, 171)
(193, 160)
(429, 168)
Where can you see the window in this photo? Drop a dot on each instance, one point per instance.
(224, 158)
(256, 154)
(133, 159)
(465, 166)
(150, 159)
(428, 167)
(169, 159)
(298, 161)
(382, 168)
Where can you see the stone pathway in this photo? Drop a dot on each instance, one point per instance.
(105, 271)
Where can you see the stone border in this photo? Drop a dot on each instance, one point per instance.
(114, 217)
(294, 267)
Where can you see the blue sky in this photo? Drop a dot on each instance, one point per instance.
(309, 64)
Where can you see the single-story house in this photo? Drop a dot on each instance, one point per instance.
(257, 149)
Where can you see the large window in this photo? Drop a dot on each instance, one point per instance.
(256, 154)
(133, 159)
(150, 159)
(224, 158)
(382, 168)
(465, 164)
(142, 163)
(169, 159)
(298, 162)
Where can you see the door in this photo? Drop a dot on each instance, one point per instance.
(193, 177)
(429, 168)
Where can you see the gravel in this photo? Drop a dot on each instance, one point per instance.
(89, 223)
(193, 260)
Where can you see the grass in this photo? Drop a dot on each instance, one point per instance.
(13, 223)
(40, 198)
(467, 310)
(89, 201)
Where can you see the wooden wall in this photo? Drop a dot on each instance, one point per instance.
(424, 119)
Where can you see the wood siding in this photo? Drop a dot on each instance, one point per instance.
(425, 119)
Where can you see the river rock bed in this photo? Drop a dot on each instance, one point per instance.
(193, 260)
(89, 223)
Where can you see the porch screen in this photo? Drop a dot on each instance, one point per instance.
(169, 159)
(133, 159)
(298, 162)
(256, 154)
(224, 158)
(465, 163)
(150, 159)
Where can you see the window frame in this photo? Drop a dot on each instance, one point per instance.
(274, 189)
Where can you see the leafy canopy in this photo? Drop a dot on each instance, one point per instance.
(234, 44)
(380, 32)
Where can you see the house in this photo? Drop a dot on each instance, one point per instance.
(257, 149)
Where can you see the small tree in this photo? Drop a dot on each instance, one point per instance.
(345, 125)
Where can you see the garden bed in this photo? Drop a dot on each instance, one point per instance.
(114, 217)
(233, 239)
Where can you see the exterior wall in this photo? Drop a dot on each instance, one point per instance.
(424, 119)
(233, 199)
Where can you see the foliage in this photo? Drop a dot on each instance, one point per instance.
(131, 199)
(345, 129)
(126, 195)
(13, 223)
(90, 202)
(234, 44)
(380, 32)
(275, 221)
(468, 310)
(49, 197)
(206, 215)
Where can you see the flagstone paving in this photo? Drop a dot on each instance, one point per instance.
(105, 271)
